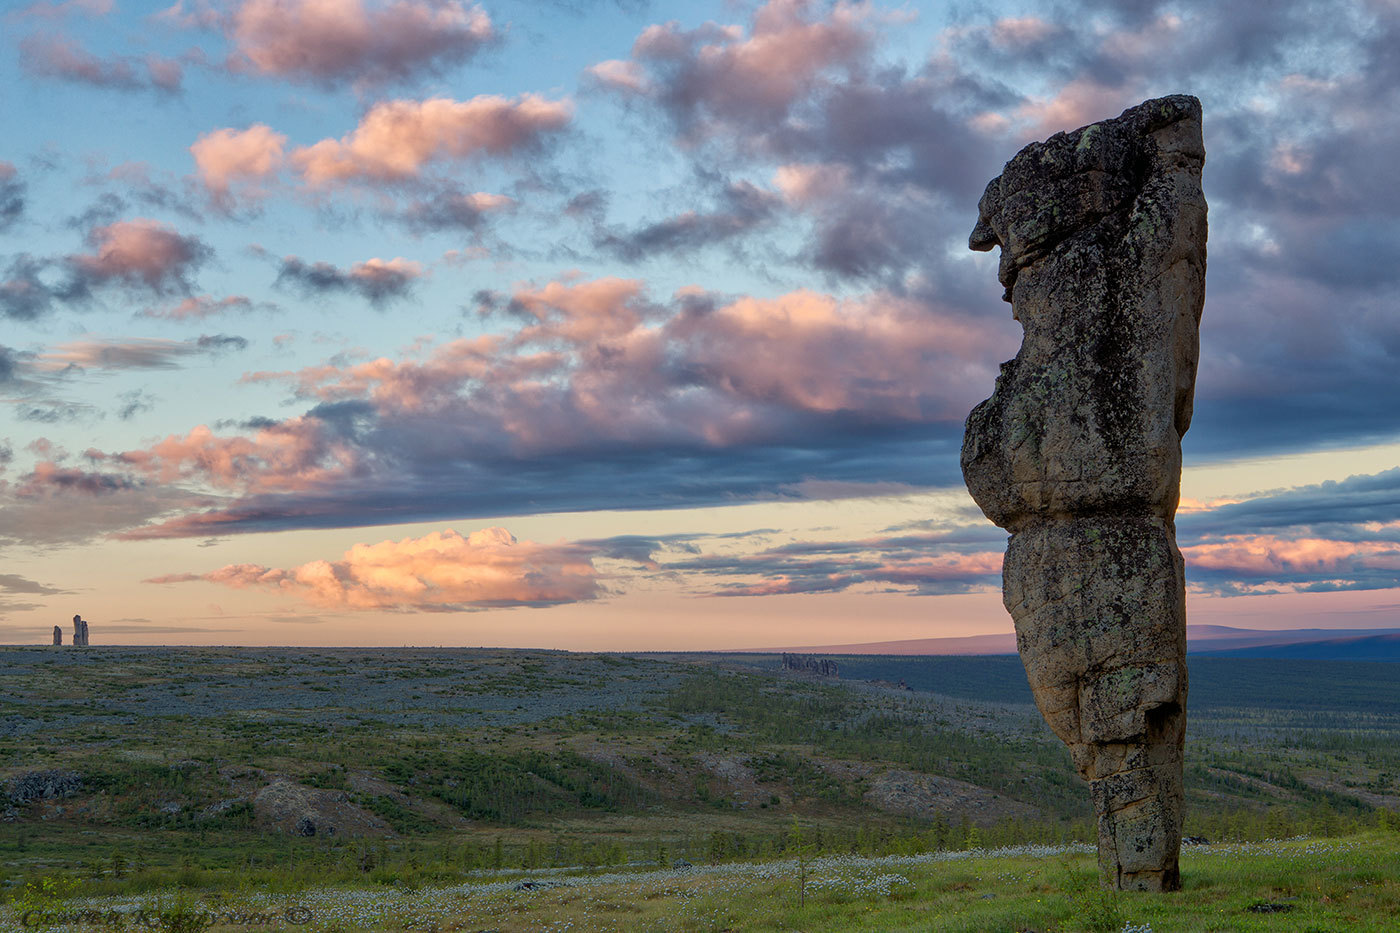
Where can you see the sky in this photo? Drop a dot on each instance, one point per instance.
(642, 325)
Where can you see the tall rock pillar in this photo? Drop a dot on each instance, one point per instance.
(1078, 453)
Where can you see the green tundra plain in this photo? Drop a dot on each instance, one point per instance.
(343, 789)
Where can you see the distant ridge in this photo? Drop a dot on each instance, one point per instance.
(1365, 644)
(1384, 647)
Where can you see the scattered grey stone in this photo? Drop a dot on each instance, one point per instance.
(1270, 907)
(1078, 453)
(43, 785)
(219, 807)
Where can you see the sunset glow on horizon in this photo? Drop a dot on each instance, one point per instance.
(653, 326)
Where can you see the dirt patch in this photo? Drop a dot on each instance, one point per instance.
(1380, 801)
(924, 795)
(287, 807)
(737, 779)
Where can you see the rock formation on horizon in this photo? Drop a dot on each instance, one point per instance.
(80, 631)
(1078, 453)
(57, 635)
(822, 667)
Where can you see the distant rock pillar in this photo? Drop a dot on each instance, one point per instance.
(57, 635)
(1078, 453)
(80, 631)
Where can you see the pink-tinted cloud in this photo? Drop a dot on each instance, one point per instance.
(57, 9)
(297, 454)
(440, 571)
(1081, 101)
(248, 157)
(581, 312)
(807, 184)
(327, 42)
(619, 75)
(140, 252)
(718, 74)
(1015, 32)
(132, 353)
(48, 478)
(398, 138)
(1273, 558)
(198, 307)
(593, 368)
(61, 57)
(815, 353)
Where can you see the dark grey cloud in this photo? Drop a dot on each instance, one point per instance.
(1326, 508)
(453, 210)
(218, 343)
(12, 191)
(742, 208)
(375, 281)
(14, 583)
(919, 565)
(134, 403)
(24, 296)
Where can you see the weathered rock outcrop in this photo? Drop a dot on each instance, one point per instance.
(57, 635)
(80, 631)
(1078, 453)
(43, 785)
(822, 667)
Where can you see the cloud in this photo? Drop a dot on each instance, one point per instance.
(48, 478)
(377, 280)
(744, 208)
(58, 9)
(24, 296)
(140, 254)
(442, 571)
(14, 583)
(877, 156)
(397, 139)
(691, 401)
(332, 42)
(198, 307)
(228, 157)
(1244, 565)
(715, 77)
(132, 353)
(11, 196)
(1330, 536)
(928, 565)
(454, 210)
(61, 57)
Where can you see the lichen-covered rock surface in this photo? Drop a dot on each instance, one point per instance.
(1078, 453)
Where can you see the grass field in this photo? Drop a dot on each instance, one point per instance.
(138, 774)
(1317, 886)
